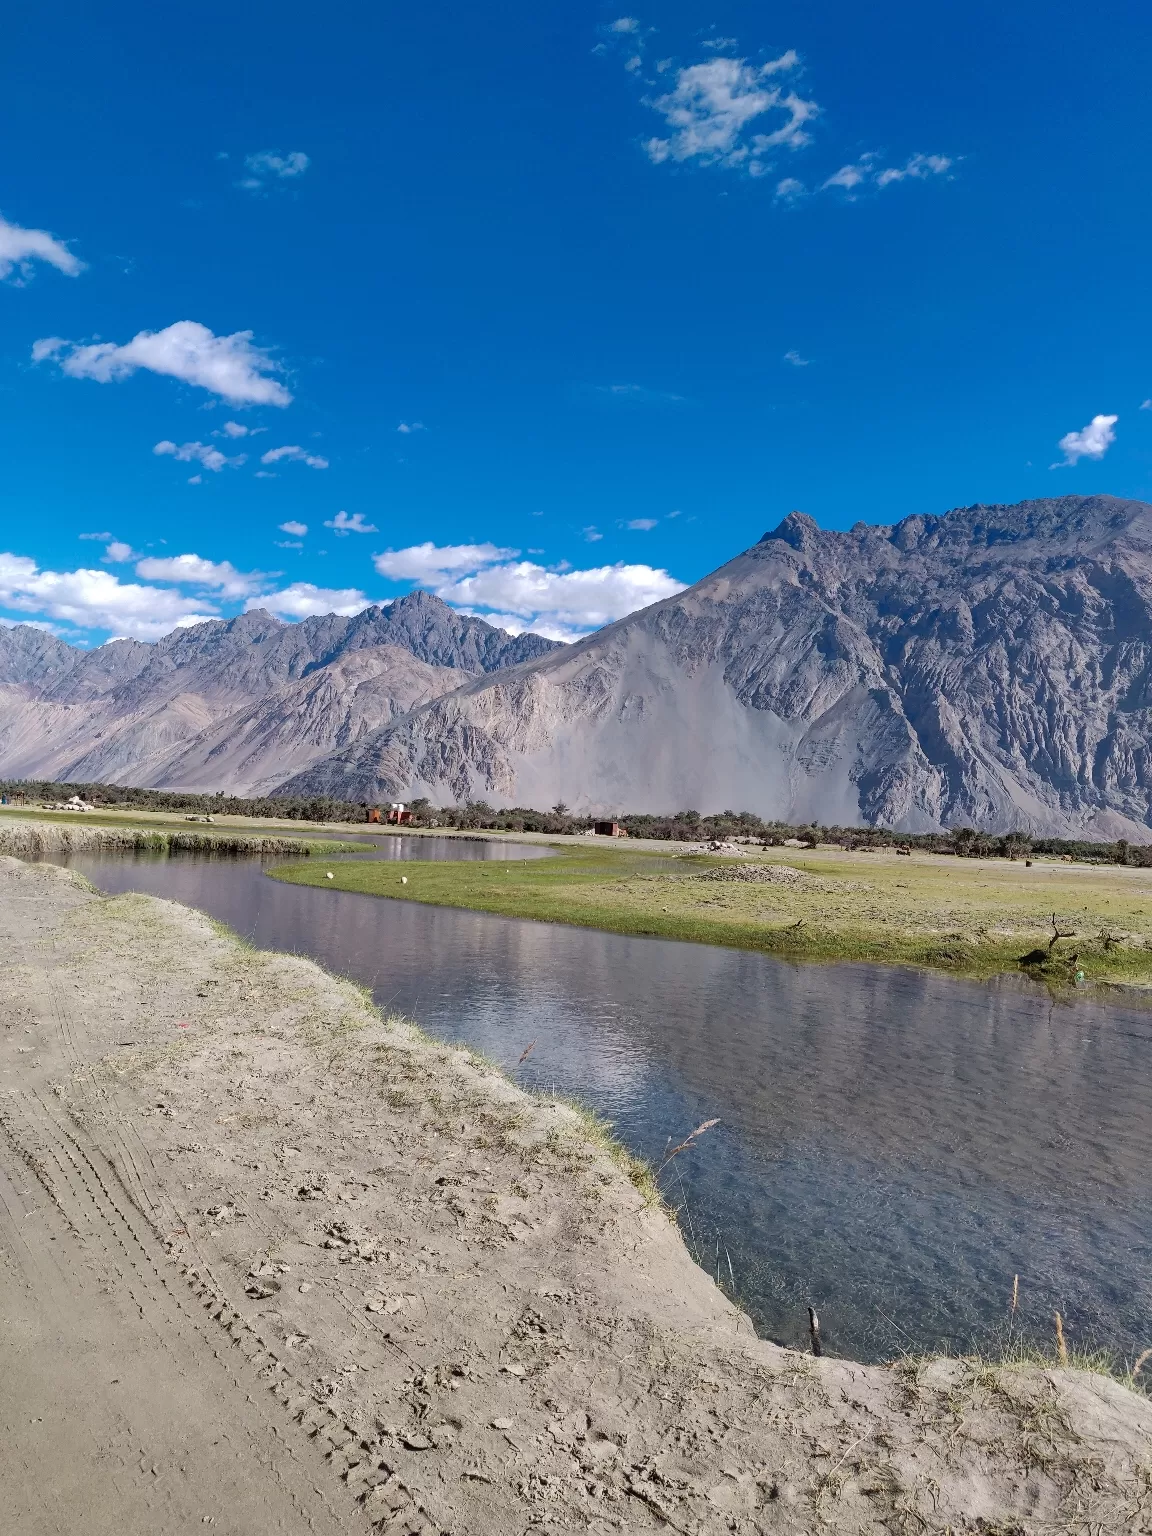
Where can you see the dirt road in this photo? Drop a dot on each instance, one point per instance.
(269, 1262)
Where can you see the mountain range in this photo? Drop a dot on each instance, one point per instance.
(991, 667)
(236, 704)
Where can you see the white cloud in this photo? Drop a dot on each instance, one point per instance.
(118, 553)
(228, 366)
(302, 600)
(343, 524)
(789, 190)
(95, 599)
(296, 454)
(19, 248)
(297, 530)
(234, 429)
(411, 426)
(272, 165)
(592, 535)
(101, 538)
(199, 453)
(916, 168)
(191, 570)
(712, 106)
(430, 563)
(793, 357)
(1091, 442)
(624, 24)
(1145, 405)
(642, 524)
(560, 604)
(288, 543)
(491, 583)
(717, 43)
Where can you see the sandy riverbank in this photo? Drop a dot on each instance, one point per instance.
(272, 1262)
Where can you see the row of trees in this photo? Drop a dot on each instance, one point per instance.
(681, 826)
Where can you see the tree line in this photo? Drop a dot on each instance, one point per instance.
(681, 826)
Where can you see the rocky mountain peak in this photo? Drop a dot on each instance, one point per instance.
(798, 529)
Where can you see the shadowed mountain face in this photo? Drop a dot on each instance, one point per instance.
(235, 705)
(990, 668)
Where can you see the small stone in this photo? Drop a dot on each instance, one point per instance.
(305, 1288)
(501, 1423)
(374, 1306)
(417, 1442)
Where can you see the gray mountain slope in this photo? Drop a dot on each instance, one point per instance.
(286, 731)
(992, 667)
(217, 705)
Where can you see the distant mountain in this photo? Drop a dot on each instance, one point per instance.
(991, 667)
(237, 704)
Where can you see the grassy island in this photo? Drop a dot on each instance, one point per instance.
(1057, 921)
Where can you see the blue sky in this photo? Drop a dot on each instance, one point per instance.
(637, 284)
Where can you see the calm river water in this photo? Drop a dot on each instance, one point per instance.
(894, 1146)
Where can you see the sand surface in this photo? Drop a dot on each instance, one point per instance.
(269, 1262)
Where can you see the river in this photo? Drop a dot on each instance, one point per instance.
(894, 1146)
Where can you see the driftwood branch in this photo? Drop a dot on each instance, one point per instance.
(687, 1142)
(1057, 934)
(814, 1330)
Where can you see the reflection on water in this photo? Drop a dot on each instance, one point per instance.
(894, 1146)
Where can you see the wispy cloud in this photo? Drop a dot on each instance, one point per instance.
(1091, 442)
(270, 166)
(295, 454)
(20, 247)
(867, 172)
(641, 524)
(342, 524)
(793, 357)
(638, 394)
(297, 530)
(592, 534)
(235, 429)
(199, 453)
(411, 426)
(712, 107)
(228, 366)
(739, 114)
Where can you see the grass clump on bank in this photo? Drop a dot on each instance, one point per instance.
(26, 835)
(1056, 922)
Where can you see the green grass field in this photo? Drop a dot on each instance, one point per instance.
(971, 917)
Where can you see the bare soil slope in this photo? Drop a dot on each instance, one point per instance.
(271, 1262)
